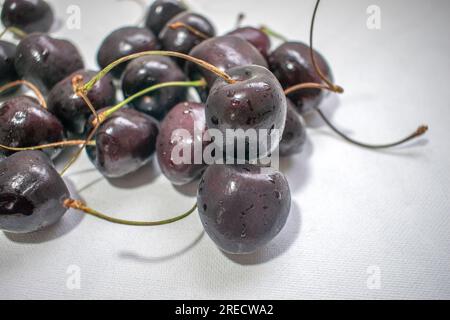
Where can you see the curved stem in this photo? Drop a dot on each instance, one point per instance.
(78, 205)
(272, 33)
(419, 131)
(194, 31)
(107, 113)
(68, 143)
(15, 31)
(88, 86)
(30, 86)
(312, 85)
(332, 86)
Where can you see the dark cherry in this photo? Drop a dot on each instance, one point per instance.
(294, 134)
(291, 63)
(181, 39)
(125, 142)
(45, 61)
(256, 37)
(31, 193)
(243, 207)
(71, 109)
(123, 42)
(161, 11)
(189, 116)
(224, 52)
(255, 101)
(27, 15)
(7, 69)
(148, 71)
(25, 123)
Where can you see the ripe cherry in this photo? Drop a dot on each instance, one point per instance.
(71, 109)
(123, 42)
(31, 193)
(25, 123)
(254, 101)
(7, 69)
(243, 207)
(125, 142)
(224, 52)
(150, 70)
(160, 12)
(27, 15)
(45, 61)
(180, 39)
(189, 116)
(256, 37)
(291, 63)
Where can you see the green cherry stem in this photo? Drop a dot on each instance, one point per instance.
(78, 205)
(67, 143)
(88, 86)
(272, 33)
(107, 113)
(15, 31)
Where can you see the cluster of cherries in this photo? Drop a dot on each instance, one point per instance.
(242, 84)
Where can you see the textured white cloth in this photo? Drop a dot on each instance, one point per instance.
(364, 224)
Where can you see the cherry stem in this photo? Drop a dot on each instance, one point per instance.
(194, 31)
(107, 113)
(239, 19)
(271, 33)
(78, 205)
(88, 86)
(312, 85)
(30, 86)
(15, 31)
(333, 87)
(68, 143)
(419, 132)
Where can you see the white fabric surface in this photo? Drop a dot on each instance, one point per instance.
(356, 213)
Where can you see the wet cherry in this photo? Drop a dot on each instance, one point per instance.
(294, 134)
(189, 116)
(255, 101)
(123, 42)
(125, 142)
(243, 207)
(25, 123)
(45, 61)
(31, 193)
(27, 15)
(181, 39)
(71, 109)
(224, 52)
(150, 70)
(160, 12)
(291, 64)
(256, 37)
(7, 69)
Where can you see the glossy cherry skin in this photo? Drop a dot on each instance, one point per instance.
(255, 101)
(181, 39)
(70, 109)
(224, 52)
(125, 142)
(294, 134)
(45, 61)
(32, 193)
(25, 123)
(7, 69)
(243, 207)
(189, 116)
(148, 71)
(123, 42)
(27, 15)
(160, 12)
(256, 37)
(291, 63)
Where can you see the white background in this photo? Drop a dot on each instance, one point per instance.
(354, 211)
